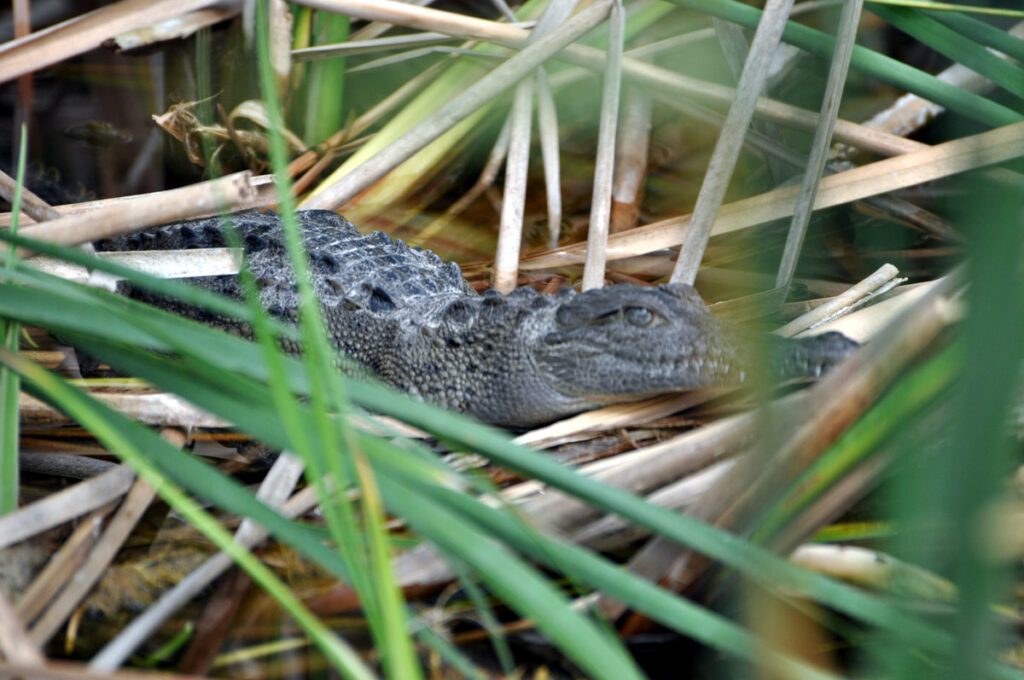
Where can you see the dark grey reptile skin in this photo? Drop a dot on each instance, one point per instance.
(515, 360)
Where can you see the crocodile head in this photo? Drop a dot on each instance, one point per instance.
(624, 342)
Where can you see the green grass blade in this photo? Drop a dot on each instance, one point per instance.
(484, 610)
(9, 388)
(669, 609)
(899, 407)
(951, 7)
(988, 393)
(184, 373)
(870, 63)
(10, 478)
(453, 80)
(370, 564)
(123, 437)
(189, 473)
(172, 288)
(517, 584)
(580, 565)
(960, 49)
(211, 485)
(378, 447)
(981, 32)
(325, 81)
(448, 426)
(194, 369)
(465, 434)
(450, 653)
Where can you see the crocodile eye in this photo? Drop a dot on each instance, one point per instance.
(639, 316)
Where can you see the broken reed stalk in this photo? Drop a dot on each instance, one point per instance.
(95, 565)
(206, 198)
(161, 408)
(924, 165)
(604, 161)
(273, 490)
(631, 160)
(166, 264)
(63, 564)
(65, 505)
(730, 140)
(262, 184)
(547, 132)
(821, 147)
(33, 206)
(86, 32)
(611, 532)
(615, 416)
(868, 286)
(510, 231)
(15, 642)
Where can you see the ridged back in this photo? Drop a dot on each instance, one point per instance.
(349, 268)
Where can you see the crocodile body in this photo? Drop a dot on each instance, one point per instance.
(514, 360)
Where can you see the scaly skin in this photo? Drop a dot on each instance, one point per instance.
(514, 360)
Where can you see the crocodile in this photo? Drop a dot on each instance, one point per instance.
(515, 360)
